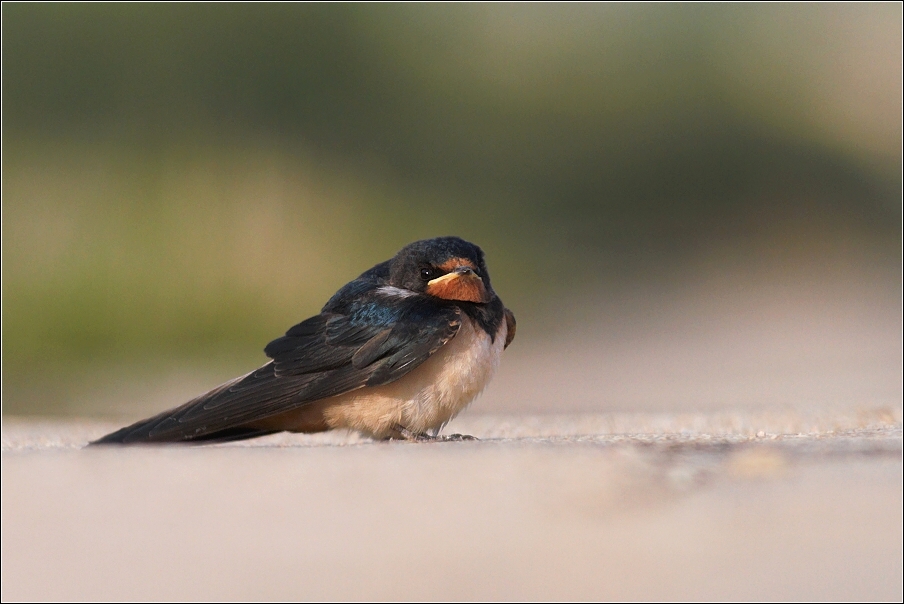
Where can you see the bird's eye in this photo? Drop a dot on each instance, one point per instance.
(428, 273)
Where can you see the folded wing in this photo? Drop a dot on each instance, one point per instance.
(369, 344)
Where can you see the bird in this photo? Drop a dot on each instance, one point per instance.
(395, 354)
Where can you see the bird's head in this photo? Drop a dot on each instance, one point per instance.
(445, 267)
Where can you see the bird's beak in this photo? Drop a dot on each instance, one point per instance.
(461, 284)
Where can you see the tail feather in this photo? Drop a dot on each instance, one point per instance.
(205, 419)
(132, 435)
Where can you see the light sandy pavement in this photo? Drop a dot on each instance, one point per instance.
(757, 505)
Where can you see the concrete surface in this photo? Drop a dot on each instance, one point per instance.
(732, 505)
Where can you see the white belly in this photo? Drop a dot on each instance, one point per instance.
(431, 395)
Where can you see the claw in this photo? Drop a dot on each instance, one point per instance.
(458, 437)
(421, 437)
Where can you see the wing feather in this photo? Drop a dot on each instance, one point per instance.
(326, 355)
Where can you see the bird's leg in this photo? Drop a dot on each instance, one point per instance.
(413, 436)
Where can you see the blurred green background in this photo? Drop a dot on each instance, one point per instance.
(183, 182)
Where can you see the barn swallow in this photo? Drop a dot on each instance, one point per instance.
(394, 354)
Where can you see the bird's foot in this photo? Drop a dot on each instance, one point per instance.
(406, 434)
(420, 437)
(457, 437)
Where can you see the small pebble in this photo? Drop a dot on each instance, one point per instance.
(760, 434)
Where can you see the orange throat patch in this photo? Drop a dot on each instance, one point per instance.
(463, 287)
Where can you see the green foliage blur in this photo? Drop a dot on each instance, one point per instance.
(186, 181)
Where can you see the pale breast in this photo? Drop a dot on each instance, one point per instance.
(430, 395)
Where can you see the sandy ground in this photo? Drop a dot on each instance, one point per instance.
(729, 505)
(762, 459)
